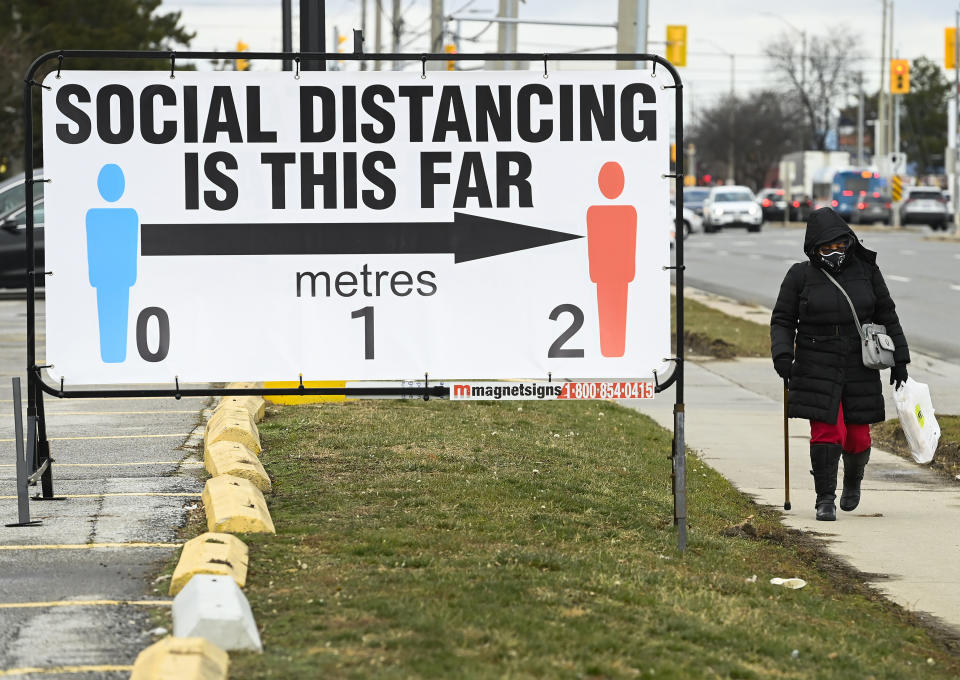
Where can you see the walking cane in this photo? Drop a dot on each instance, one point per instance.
(786, 447)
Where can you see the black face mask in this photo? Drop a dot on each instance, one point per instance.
(834, 261)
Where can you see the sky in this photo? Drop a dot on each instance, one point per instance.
(715, 29)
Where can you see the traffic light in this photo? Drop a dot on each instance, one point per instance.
(950, 49)
(677, 45)
(241, 64)
(673, 152)
(450, 48)
(899, 76)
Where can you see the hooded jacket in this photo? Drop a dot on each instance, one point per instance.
(812, 325)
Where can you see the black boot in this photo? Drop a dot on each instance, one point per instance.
(853, 464)
(825, 459)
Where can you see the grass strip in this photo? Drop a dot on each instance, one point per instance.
(709, 332)
(534, 540)
(946, 460)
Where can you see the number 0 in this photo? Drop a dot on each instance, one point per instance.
(367, 314)
(556, 350)
(163, 323)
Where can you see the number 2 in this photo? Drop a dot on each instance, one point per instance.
(556, 350)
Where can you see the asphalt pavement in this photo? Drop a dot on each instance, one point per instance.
(127, 469)
(922, 273)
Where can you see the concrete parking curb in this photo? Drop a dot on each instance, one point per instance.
(254, 405)
(230, 427)
(183, 659)
(211, 553)
(214, 608)
(233, 458)
(235, 505)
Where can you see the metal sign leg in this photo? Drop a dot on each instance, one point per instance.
(23, 469)
(679, 477)
(43, 452)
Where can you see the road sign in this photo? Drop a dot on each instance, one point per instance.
(896, 188)
(899, 76)
(356, 226)
(677, 45)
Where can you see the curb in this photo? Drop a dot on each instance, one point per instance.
(210, 611)
(182, 658)
(235, 459)
(235, 505)
(211, 553)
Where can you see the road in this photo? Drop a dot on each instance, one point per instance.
(923, 276)
(128, 469)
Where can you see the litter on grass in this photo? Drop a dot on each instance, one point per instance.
(792, 583)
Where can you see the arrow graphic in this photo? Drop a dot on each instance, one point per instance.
(468, 237)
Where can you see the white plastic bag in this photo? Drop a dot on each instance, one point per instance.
(917, 420)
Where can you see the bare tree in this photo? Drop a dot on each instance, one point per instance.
(819, 72)
(766, 126)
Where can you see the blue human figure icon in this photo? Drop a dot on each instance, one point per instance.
(112, 235)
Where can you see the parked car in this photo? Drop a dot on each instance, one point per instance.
(13, 195)
(773, 204)
(872, 208)
(693, 198)
(800, 208)
(731, 206)
(925, 205)
(13, 247)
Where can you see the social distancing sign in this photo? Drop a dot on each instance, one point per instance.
(355, 226)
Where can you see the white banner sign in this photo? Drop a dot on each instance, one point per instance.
(355, 226)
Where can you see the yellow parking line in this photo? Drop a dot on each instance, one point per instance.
(112, 436)
(58, 670)
(149, 462)
(125, 493)
(87, 603)
(89, 546)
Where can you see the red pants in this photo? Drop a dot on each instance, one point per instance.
(853, 437)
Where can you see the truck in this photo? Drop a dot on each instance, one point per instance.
(801, 169)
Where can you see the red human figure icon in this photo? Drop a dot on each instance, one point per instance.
(612, 246)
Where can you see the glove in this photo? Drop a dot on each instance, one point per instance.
(783, 366)
(898, 375)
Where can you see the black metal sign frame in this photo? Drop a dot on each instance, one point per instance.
(35, 382)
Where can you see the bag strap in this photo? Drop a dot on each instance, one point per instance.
(849, 302)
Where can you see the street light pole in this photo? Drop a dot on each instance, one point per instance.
(956, 102)
(731, 119)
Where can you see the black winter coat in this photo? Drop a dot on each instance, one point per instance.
(813, 316)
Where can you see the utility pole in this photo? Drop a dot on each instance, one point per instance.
(313, 33)
(436, 34)
(954, 197)
(731, 171)
(363, 30)
(631, 30)
(890, 95)
(506, 34)
(378, 32)
(286, 31)
(860, 120)
(397, 25)
(880, 129)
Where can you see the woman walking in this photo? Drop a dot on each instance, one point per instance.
(816, 349)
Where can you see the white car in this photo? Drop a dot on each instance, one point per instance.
(731, 206)
(692, 222)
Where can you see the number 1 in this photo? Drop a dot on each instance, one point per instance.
(367, 314)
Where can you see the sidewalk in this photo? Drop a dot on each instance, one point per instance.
(904, 533)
